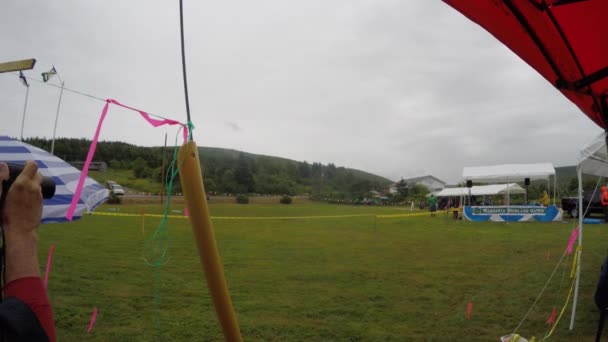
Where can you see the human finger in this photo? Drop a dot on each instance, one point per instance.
(30, 169)
(3, 171)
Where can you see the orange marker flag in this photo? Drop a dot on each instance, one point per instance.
(469, 309)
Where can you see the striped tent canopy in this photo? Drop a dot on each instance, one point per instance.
(66, 178)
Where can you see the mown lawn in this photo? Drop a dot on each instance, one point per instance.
(345, 279)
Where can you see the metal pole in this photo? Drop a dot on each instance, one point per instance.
(581, 214)
(191, 179)
(554, 188)
(508, 201)
(57, 118)
(548, 187)
(181, 27)
(27, 92)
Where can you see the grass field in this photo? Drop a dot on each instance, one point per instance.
(344, 279)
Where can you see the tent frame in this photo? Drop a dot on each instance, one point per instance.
(514, 178)
(581, 215)
(593, 161)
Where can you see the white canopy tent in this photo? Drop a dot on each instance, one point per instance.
(510, 172)
(482, 190)
(593, 161)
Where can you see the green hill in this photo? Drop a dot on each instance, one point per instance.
(565, 172)
(225, 170)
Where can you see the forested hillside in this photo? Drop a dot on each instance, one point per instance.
(228, 171)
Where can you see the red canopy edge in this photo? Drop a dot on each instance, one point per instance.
(566, 41)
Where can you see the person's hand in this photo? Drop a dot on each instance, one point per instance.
(20, 219)
(23, 203)
(3, 174)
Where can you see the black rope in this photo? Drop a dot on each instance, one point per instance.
(181, 26)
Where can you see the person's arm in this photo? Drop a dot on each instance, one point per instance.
(20, 219)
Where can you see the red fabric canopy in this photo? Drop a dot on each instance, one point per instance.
(566, 41)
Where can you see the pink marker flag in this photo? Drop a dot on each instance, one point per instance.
(48, 266)
(551, 319)
(85, 169)
(93, 318)
(186, 213)
(469, 309)
(572, 240)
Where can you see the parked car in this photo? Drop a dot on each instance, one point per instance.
(570, 204)
(115, 188)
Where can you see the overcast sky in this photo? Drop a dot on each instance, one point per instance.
(397, 88)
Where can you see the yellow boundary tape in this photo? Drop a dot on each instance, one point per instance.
(572, 274)
(265, 217)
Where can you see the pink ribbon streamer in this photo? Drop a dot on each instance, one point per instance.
(48, 267)
(93, 318)
(572, 240)
(154, 122)
(85, 169)
(87, 163)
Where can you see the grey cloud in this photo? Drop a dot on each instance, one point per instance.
(398, 88)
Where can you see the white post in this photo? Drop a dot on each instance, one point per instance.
(508, 201)
(554, 187)
(508, 195)
(56, 118)
(548, 187)
(581, 214)
(27, 93)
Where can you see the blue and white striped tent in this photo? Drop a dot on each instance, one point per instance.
(65, 176)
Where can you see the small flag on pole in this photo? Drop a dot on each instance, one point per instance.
(48, 266)
(47, 75)
(551, 319)
(23, 79)
(93, 318)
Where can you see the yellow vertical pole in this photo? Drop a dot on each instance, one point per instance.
(194, 193)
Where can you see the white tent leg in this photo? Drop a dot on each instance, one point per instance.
(548, 187)
(554, 188)
(508, 201)
(581, 215)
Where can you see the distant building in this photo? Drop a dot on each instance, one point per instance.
(95, 166)
(432, 183)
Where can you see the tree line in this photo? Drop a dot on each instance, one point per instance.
(228, 171)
